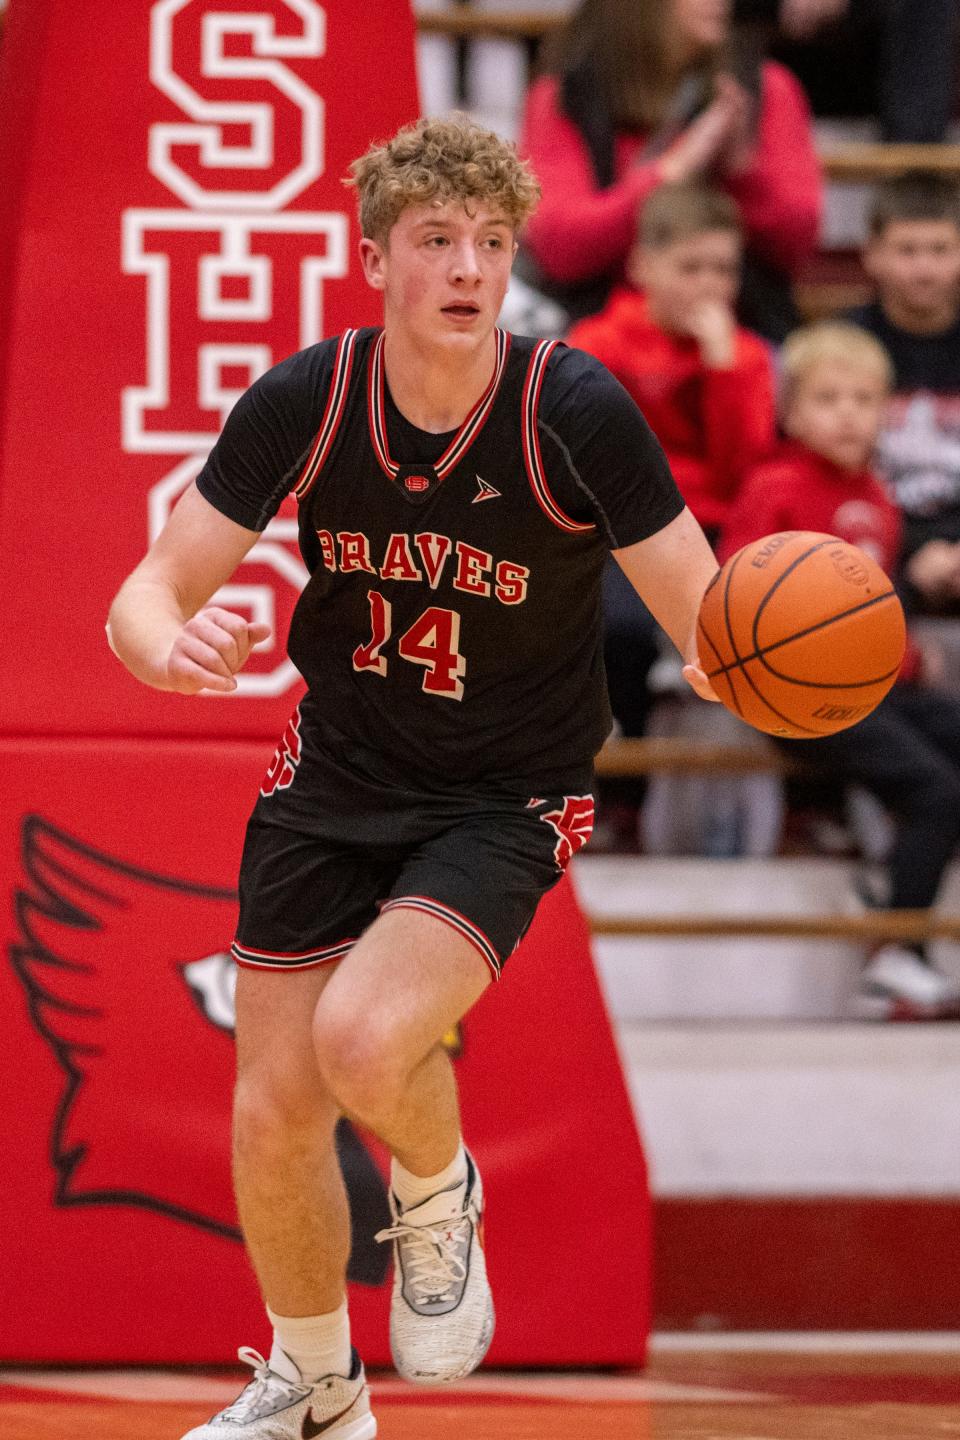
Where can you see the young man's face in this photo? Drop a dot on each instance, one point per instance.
(680, 277)
(915, 265)
(443, 271)
(837, 409)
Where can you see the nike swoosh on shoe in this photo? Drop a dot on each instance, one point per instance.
(311, 1428)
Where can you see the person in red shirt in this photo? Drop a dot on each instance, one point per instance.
(670, 336)
(640, 95)
(907, 753)
(705, 387)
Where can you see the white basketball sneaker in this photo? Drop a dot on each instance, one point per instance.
(281, 1405)
(441, 1314)
(897, 984)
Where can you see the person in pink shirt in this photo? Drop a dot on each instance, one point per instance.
(636, 95)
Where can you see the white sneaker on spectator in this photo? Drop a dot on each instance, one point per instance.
(897, 984)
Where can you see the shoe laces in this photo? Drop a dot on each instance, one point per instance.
(430, 1261)
(265, 1385)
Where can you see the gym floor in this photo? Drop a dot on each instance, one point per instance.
(755, 1388)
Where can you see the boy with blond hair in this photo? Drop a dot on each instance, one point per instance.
(836, 382)
(456, 505)
(705, 384)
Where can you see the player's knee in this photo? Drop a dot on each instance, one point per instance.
(358, 1060)
(278, 1100)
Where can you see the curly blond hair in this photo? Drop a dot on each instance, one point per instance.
(441, 159)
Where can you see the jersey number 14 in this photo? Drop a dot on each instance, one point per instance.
(431, 641)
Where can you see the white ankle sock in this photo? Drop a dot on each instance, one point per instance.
(412, 1190)
(317, 1344)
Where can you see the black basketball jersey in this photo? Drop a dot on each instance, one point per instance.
(450, 631)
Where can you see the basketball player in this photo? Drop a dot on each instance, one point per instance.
(459, 488)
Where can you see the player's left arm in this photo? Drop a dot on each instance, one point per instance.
(670, 572)
(608, 466)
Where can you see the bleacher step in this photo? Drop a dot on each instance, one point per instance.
(703, 978)
(761, 1109)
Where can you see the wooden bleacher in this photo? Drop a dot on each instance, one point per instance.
(463, 23)
(653, 754)
(870, 928)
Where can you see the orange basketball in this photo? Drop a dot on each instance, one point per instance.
(801, 634)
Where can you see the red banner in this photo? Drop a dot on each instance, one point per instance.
(118, 1064)
(173, 223)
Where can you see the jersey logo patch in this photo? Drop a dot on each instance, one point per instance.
(416, 484)
(283, 766)
(572, 825)
(485, 492)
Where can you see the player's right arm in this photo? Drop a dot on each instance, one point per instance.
(158, 625)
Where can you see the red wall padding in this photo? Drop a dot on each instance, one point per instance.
(128, 299)
(117, 1067)
(145, 282)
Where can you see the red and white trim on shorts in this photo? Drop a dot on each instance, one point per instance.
(291, 959)
(533, 459)
(330, 424)
(451, 917)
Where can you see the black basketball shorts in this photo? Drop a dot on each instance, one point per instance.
(308, 891)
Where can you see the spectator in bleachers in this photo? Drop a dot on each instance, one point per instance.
(913, 257)
(878, 58)
(705, 387)
(907, 752)
(639, 93)
(670, 336)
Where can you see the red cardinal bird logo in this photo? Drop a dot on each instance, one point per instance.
(129, 981)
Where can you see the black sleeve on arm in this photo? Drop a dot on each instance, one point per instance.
(267, 437)
(603, 462)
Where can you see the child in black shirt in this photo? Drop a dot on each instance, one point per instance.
(913, 257)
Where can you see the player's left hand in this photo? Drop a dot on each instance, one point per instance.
(697, 680)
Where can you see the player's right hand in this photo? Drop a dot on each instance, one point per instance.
(209, 650)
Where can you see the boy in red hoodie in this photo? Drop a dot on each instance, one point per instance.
(705, 387)
(837, 380)
(704, 384)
